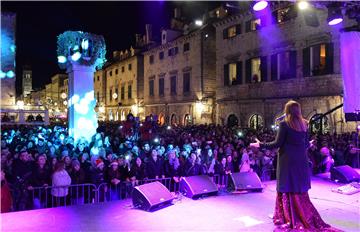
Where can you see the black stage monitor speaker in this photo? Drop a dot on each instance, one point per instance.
(344, 174)
(245, 181)
(197, 186)
(151, 196)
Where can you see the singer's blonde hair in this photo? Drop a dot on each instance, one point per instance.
(293, 116)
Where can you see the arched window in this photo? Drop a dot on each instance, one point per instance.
(187, 120)
(161, 119)
(232, 120)
(319, 124)
(174, 120)
(122, 116)
(256, 122)
(111, 117)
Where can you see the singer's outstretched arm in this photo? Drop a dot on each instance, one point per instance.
(280, 138)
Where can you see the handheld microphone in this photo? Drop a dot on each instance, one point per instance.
(278, 119)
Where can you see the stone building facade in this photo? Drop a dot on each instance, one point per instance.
(265, 60)
(119, 85)
(180, 74)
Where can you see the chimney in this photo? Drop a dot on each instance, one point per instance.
(177, 13)
(148, 28)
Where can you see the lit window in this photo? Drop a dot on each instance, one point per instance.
(255, 70)
(231, 31)
(319, 58)
(322, 55)
(232, 72)
(218, 13)
(255, 24)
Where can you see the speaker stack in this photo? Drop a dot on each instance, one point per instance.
(198, 186)
(151, 196)
(245, 181)
(344, 174)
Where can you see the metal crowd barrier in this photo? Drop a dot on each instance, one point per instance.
(49, 197)
(123, 190)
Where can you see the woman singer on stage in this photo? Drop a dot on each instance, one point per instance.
(293, 208)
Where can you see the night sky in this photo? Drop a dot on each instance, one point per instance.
(39, 24)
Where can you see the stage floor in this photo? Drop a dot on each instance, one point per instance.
(234, 212)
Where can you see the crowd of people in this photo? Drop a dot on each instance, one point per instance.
(131, 151)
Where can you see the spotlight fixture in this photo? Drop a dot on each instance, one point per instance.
(334, 14)
(259, 5)
(76, 56)
(303, 5)
(198, 22)
(61, 59)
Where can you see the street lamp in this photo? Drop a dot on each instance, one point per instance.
(114, 95)
(198, 22)
(199, 106)
(20, 105)
(63, 95)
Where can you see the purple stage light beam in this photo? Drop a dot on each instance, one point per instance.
(260, 5)
(335, 21)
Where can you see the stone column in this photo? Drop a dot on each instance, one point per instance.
(81, 112)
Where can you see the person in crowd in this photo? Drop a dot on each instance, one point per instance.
(67, 160)
(235, 161)
(245, 162)
(123, 168)
(78, 178)
(137, 171)
(98, 177)
(22, 171)
(229, 168)
(114, 179)
(192, 167)
(6, 198)
(146, 151)
(41, 177)
(293, 208)
(327, 160)
(81, 148)
(172, 168)
(221, 172)
(154, 166)
(60, 182)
